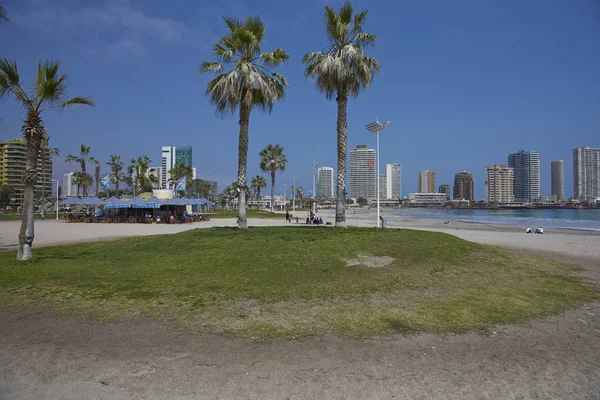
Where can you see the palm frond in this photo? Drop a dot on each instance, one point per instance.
(77, 100)
(365, 39)
(223, 51)
(275, 58)
(3, 15)
(359, 19)
(10, 72)
(232, 23)
(211, 66)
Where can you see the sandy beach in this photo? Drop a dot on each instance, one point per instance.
(46, 356)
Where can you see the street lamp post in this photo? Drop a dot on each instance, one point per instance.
(284, 206)
(376, 127)
(315, 164)
(294, 194)
(56, 198)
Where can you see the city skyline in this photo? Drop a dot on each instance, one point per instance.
(439, 109)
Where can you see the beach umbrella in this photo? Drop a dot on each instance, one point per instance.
(70, 201)
(91, 201)
(154, 202)
(175, 202)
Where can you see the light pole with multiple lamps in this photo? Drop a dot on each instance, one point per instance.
(376, 127)
(315, 165)
(294, 190)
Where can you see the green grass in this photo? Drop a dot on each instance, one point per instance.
(17, 217)
(250, 212)
(293, 282)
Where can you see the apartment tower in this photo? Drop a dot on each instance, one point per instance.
(426, 182)
(526, 166)
(393, 183)
(464, 188)
(325, 181)
(499, 184)
(557, 168)
(362, 173)
(586, 173)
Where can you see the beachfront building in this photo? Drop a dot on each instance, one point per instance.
(426, 182)
(463, 186)
(526, 184)
(69, 188)
(393, 182)
(445, 188)
(382, 187)
(557, 168)
(426, 199)
(362, 173)
(499, 184)
(13, 156)
(586, 173)
(171, 156)
(325, 180)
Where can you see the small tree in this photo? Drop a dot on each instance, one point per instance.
(82, 159)
(257, 183)
(272, 160)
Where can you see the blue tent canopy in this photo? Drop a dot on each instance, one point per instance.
(91, 201)
(70, 201)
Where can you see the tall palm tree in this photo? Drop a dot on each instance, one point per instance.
(97, 176)
(116, 166)
(181, 171)
(83, 158)
(3, 15)
(48, 93)
(248, 84)
(139, 167)
(272, 160)
(342, 70)
(299, 194)
(257, 183)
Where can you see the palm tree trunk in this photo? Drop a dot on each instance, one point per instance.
(83, 174)
(33, 132)
(97, 180)
(342, 141)
(117, 185)
(242, 162)
(272, 189)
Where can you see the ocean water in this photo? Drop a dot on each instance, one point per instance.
(550, 218)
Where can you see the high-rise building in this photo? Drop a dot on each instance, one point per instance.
(426, 182)
(69, 188)
(325, 181)
(463, 186)
(445, 188)
(526, 166)
(393, 182)
(499, 184)
(171, 156)
(558, 179)
(382, 186)
(362, 173)
(586, 173)
(13, 157)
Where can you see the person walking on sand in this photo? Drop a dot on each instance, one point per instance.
(287, 217)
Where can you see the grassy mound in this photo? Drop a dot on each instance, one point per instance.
(297, 281)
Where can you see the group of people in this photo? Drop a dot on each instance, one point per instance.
(539, 230)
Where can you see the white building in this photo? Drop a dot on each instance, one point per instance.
(499, 184)
(558, 179)
(171, 156)
(426, 199)
(393, 189)
(526, 184)
(586, 173)
(362, 173)
(382, 187)
(325, 183)
(69, 189)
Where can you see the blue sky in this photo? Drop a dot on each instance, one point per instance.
(464, 82)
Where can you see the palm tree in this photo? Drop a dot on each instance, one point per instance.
(97, 176)
(49, 92)
(272, 160)
(3, 15)
(299, 194)
(5, 194)
(139, 168)
(257, 183)
(341, 71)
(116, 166)
(181, 171)
(248, 84)
(83, 158)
